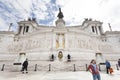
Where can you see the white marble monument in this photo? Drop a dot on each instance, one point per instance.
(39, 42)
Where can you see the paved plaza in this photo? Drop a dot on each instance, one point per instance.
(57, 75)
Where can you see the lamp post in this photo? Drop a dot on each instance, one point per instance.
(10, 26)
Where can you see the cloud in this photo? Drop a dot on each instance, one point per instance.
(17, 10)
(111, 13)
(3, 25)
(106, 11)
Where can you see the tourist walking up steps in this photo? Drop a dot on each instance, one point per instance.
(93, 68)
(108, 66)
(25, 66)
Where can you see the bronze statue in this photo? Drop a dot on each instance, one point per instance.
(60, 14)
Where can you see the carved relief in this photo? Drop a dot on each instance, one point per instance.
(46, 43)
(105, 47)
(88, 44)
(30, 44)
(60, 40)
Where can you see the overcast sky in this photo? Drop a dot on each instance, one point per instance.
(106, 11)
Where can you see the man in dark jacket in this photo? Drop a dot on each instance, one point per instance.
(24, 66)
(108, 66)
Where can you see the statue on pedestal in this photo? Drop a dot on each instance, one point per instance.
(60, 14)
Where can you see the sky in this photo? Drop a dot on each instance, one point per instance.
(74, 11)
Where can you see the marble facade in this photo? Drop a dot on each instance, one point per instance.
(39, 42)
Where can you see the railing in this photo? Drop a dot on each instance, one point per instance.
(51, 67)
(2, 69)
(117, 67)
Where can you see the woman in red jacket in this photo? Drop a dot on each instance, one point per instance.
(93, 68)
